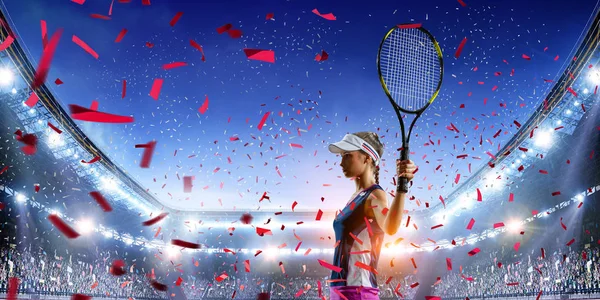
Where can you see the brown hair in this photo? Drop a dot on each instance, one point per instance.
(373, 139)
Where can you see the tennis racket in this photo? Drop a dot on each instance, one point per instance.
(410, 69)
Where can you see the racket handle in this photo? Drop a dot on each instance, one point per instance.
(402, 186)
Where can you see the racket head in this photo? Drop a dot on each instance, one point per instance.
(411, 67)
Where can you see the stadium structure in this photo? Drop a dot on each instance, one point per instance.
(533, 235)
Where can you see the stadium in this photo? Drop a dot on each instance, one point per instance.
(524, 225)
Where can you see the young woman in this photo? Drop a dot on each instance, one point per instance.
(361, 225)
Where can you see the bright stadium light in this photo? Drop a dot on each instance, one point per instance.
(543, 138)
(579, 197)
(513, 226)
(55, 140)
(594, 78)
(20, 197)
(14, 91)
(6, 76)
(85, 226)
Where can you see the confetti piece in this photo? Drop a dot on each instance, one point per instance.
(155, 219)
(197, 46)
(319, 215)
(80, 297)
(449, 264)
(58, 81)
(235, 33)
(556, 193)
(159, 286)
(156, 87)
(121, 35)
(78, 1)
(511, 197)
(98, 16)
(30, 141)
(176, 18)
(62, 226)
(173, 65)
(460, 48)
(563, 224)
(571, 242)
(526, 57)
(517, 246)
(247, 265)
(6, 43)
(179, 281)
(328, 16)
(85, 46)
(539, 295)
(261, 55)
(13, 286)
(409, 26)
(263, 120)
(221, 277)
(471, 223)
(433, 298)
(246, 218)
(148, 151)
(184, 244)
(101, 201)
(322, 57)
(474, 251)
(479, 198)
(32, 100)
(204, 106)
(437, 226)
(462, 3)
(224, 28)
(329, 266)
(145, 2)
(118, 268)
(93, 160)
(187, 184)
(263, 231)
(269, 16)
(89, 115)
(498, 225)
(47, 55)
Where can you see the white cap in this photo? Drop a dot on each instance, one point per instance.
(351, 142)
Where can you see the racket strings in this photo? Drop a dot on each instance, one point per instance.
(410, 67)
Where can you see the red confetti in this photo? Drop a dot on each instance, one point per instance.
(98, 16)
(479, 198)
(571, 242)
(471, 223)
(148, 151)
(62, 226)
(328, 16)
(462, 3)
(556, 193)
(58, 81)
(322, 57)
(224, 28)
(121, 35)
(197, 46)
(511, 197)
(526, 57)
(101, 201)
(42, 70)
(85, 46)
(263, 231)
(221, 277)
(474, 251)
(32, 100)
(176, 18)
(80, 297)
(270, 16)
(263, 120)
(155, 219)
(179, 281)
(93, 160)
(261, 55)
(246, 218)
(13, 286)
(235, 33)
(187, 184)
(204, 106)
(329, 266)
(449, 264)
(159, 286)
(460, 48)
(30, 141)
(437, 226)
(78, 1)
(563, 224)
(409, 26)
(7, 42)
(84, 114)
(517, 246)
(156, 87)
(174, 65)
(498, 225)
(185, 244)
(319, 215)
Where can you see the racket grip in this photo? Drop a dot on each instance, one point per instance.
(402, 186)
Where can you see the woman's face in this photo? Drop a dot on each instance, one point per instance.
(352, 163)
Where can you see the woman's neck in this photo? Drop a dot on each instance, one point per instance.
(363, 183)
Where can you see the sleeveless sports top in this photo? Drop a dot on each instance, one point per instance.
(359, 244)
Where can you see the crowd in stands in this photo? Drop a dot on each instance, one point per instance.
(558, 273)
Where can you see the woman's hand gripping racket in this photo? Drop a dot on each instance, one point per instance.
(410, 69)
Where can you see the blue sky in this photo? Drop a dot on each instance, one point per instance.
(344, 91)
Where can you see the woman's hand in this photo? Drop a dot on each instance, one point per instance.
(406, 168)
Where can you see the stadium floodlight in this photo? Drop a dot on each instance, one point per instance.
(107, 234)
(20, 197)
(14, 91)
(85, 226)
(172, 252)
(568, 112)
(543, 138)
(513, 226)
(579, 197)
(6, 76)
(585, 91)
(594, 78)
(55, 140)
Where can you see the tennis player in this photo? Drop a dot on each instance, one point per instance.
(361, 225)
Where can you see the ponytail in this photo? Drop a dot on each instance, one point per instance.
(377, 174)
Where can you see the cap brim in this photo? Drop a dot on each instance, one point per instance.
(342, 146)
